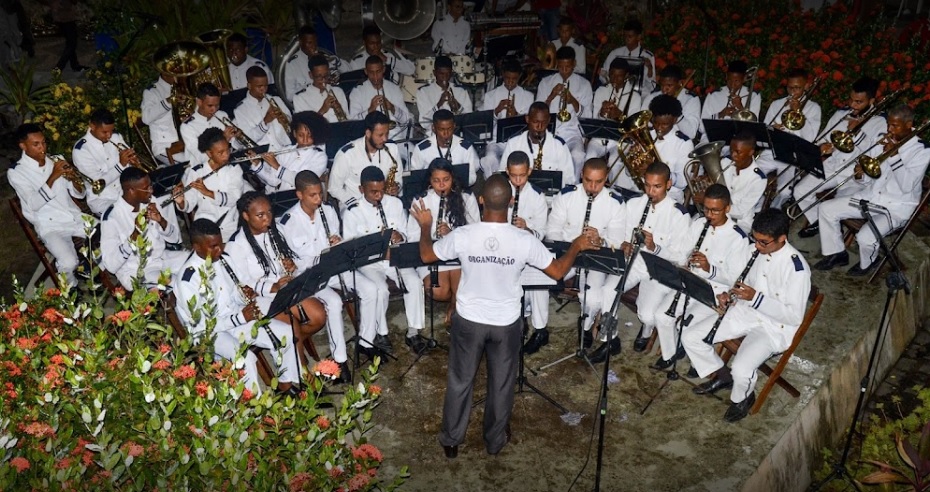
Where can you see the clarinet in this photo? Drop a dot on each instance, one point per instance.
(587, 212)
(342, 284)
(638, 230)
(250, 300)
(697, 247)
(516, 205)
(384, 225)
(278, 256)
(709, 339)
(440, 214)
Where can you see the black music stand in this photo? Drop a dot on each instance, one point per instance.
(164, 179)
(797, 152)
(349, 80)
(726, 129)
(417, 181)
(626, 193)
(342, 133)
(507, 128)
(282, 201)
(637, 70)
(475, 127)
(603, 129)
(548, 181)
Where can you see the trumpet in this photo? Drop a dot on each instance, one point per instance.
(384, 110)
(512, 109)
(746, 113)
(454, 105)
(605, 109)
(794, 119)
(77, 178)
(336, 106)
(846, 141)
(240, 135)
(280, 115)
(564, 115)
(140, 161)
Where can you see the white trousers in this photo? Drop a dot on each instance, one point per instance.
(831, 234)
(536, 300)
(413, 299)
(809, 182)
(368, 313)
(649, 299)
(170, 260)
(335, 327)
(576, 147)
(667, 326)
(61, 246)
(229, 341)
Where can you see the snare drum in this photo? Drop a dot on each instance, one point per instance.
(424, 69)
(462, 64)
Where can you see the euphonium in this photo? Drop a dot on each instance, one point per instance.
(706, 156)
(846, 141)
(564, 115)
(215, 42)
(336, 106)
(77, 178)
(181, 61)
(794, 119)
(642, 149)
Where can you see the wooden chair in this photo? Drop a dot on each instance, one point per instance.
(49, 266)
(731, 347)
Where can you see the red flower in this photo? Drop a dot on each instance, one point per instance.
(52, 316)
(246, 394)
(202, 389)
(374, 389)
(368, 451)
(38, 429)
(27, 343)
(52, 292)
(161, 365)
(164, 348)
(359, 481)
(121, 316)
(837, 75)
(133, 449)
(328, 368)
(21, 464)
(184, 372)
(322, 422)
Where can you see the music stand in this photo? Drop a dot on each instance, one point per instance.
(548, 181)
(797, 152)
(507, 128)
(231, 99)
(726, 129)
(349, 80)
(164, 179)
(416, 182)
(603, 129)
(626, 193)
(282, 201)
(342, 133)
(475, 127)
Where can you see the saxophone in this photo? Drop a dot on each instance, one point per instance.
(390, 182)
(709, 339)
(537, 162)
(336, 106)
(697, 248)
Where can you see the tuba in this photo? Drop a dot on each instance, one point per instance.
(182, 61)
(706, 156)
(641, 150)
(215, 43)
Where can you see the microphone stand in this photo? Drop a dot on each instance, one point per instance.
(895, 281)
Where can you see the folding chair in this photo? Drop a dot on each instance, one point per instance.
(49, 266)
(731, 347)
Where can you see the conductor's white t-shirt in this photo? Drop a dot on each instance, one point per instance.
(492, 255)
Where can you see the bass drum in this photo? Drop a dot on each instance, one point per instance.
(399, 19)
(424, 69)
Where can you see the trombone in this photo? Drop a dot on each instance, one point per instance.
(794, 119)
(746, 113)
(845, 141)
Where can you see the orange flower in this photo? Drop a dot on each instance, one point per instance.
(837, 75)
(161, 365)
(246, 394)
(374, 389)
(328, 368)
(52, 316)
(52, 292)
(21, 464)
(133, 449)
(164, 348)
(202, 388)
(184, 372)
(322, 422)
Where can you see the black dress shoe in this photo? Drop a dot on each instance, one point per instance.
(372, 352)
(383, 343)
(600, 355)
(857, 271)
(830, 261)
(663, 364)
(713, 386)
(345, 374)
(692, 373)
(416, 343)
(451, 451)
(739, 411)
(587, 338)
(810, 231)
(538, 340)
(640, 344)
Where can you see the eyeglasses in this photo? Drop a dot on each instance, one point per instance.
(714, 211)
(150, 189)
(762, 243)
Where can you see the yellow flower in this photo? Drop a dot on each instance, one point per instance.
(55, 136)
(87, 109)
(108, 64)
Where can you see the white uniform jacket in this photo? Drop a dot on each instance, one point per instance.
(157, 114)
(460, 152)
(555, 155)
(98, 160)
(310, 98)
(250, 117)
(568, 212)
(48, 209)
(352, 158)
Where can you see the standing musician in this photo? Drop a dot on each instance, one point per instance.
(376, 211)
(296, 76)
(529, 211)
(633, 48)
(614, 101)
(547, 151)
(506, 100)
(279, 172)
(442, 94)
(569, 94)
(97, 156)
(487, 313)
(898, 189)
(565, 38)
(766, 308)
(671, 80)
(45, 192)
(725, 102)
(119, 229)
(236, 312)
(744, 179)
(240, 61)
(445, 144)
(265, 119)
(377, 94)
(671, 143)
(861, 98)
(310, 227)
(397, 64)
(664, 224)
(212, 188)
(328, 100)
(452, 33)
(720, 248)
(157, 105)
(596, 212)
(372, 149)
(453, 207)
(208, 115)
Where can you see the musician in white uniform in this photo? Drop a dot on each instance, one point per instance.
(720, 249)
(296, 75)
(445, 144)
(377, 94)
(614, 101)
(278, 172)
(396, 63)
(441, 94)
(898, 190)
(240, 61)
(672, 145)
(259, 117)
(214, 185)
(451, 33)
(235, 317)
(671, 80)
(633, 48)
(119, 230)
(506, 100)
(45, 196)
(768, 310)
(541, 145)
(208, 115)
(372, 212)
(373, 149)
(572, 91)
(565, 38)
(861, 99)
(158, 114)
(725, 102)
(320, 96)
(744, 179)
(98, 156)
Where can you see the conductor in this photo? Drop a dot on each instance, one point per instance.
(487, 309)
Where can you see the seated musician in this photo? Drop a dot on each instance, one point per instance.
(235, 314)
(296, 76)
(452, 33)
(459, 207)
(377, 94)
(670, 83)
(672, 145)
(279, 172)
(158, 114)
(445, 144)
(861, 99)
(45, 193)
(372, 149)
(506, 100)
(240, 62)
(208, 115)
(376, 211)
(720, 249)
(568, 93)
(725, 102)
(98, 156)
(395, 62)
(321, 97)
(633, 48)
(595, 211)
(566, 33)
(614, 101)
(548, 152)
(766, 307)
(310, 227)
(214, 186)
(744, 179)
(119, 230)
(441, 94)
(898, 189)
(263, 117)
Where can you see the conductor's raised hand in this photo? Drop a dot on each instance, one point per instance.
(422, 215)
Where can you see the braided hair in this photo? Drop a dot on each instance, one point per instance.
(455, 204)
(242, 206)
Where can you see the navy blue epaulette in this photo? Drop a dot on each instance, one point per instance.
(656, 90)
(106, 214)
(197, 167)
(739, 230)
(537, 189)
(617, 196)
(465, 144)
(425, 144)
(188, 274)
(80, 143)
(798, 264)
(347, 147)
(389, 141)
(681, 208)
(13, 165)
(568, 189)
(351, 203)
(467, 191)
(759, 172)
(560, 139)
(300, 91)
(720, 89)
(292, 58)
(151, 87)
(233, 237)
(317, 148)
(919, 140)
(690, 93)
(286, 217)
(682, 135)
(647, 52)
(188, 120)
